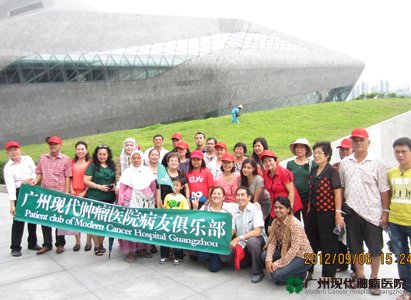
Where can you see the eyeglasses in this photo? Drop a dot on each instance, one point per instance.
(102, 146)
(318, 153)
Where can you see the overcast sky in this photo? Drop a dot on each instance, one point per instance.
(374, 31)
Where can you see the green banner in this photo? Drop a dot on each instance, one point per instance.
(185, 229)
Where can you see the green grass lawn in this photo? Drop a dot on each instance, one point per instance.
(327, 121)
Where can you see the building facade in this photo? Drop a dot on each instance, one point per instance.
(66, 69)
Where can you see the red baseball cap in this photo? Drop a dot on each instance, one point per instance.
(177, 136)
(268, 153)
(197, 154)
(360, 133)
(182, 145)
(54, 139)
(221, 145)
(11, 144)
(345, 143)
(227, 157)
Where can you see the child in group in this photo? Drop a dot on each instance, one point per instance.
(174, 200)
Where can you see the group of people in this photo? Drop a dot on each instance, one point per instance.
(280, 214)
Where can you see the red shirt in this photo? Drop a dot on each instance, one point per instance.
(78, 175)
(276, 187)
(199, 183)
(54, 171)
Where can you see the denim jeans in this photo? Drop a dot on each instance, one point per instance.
(214, 262)
(400, 237)
(296, 268)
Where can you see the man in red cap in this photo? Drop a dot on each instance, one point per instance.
(366, 193)
(175, 139)
(344, 150)
(19, 170)
(54, 172)
(215, 165)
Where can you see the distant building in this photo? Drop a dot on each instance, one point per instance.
(66, 69)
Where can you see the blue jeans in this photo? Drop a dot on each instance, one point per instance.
(214, 262)
(296, 268)
(400, 237)
(235, 119)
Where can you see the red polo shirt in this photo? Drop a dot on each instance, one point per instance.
(276, 187)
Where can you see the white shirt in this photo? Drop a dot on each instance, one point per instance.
(15, 173)
(212, 166)
(247, 220)
(363, 184)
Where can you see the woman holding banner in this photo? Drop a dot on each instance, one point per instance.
(100, 179)
(217, 204)
(137, 190)
(79, 166)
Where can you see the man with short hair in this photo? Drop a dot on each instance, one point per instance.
(200, 140)
(399, 225)
(158, 141)
(209, 155)
(366, 193)
(19, 170)
(54, 172)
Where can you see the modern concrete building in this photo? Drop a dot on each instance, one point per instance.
(70, 70)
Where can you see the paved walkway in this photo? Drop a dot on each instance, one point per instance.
(82, 275)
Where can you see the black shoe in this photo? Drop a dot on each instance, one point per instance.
(35, 247)
(15, 253)
(256, 278)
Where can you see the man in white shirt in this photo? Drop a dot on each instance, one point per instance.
(19, 170)
(366, 193)
(158, 141)
(248, 224)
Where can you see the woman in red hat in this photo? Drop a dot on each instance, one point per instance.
(278, 181)
(229, 178)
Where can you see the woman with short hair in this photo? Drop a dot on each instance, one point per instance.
(240, 151)
(325, 195)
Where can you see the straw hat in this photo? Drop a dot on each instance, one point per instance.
(301, 141)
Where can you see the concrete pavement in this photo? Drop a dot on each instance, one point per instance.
(82, 275)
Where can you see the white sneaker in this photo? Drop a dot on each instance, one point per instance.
(163, 260)
(176, 261)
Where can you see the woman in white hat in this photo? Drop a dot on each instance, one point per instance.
(300, 166)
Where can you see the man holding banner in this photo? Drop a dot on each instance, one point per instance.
(19, 170)
(54, 172)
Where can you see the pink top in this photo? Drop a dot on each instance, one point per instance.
(78, 176)
(229, 188)
(54, 171)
